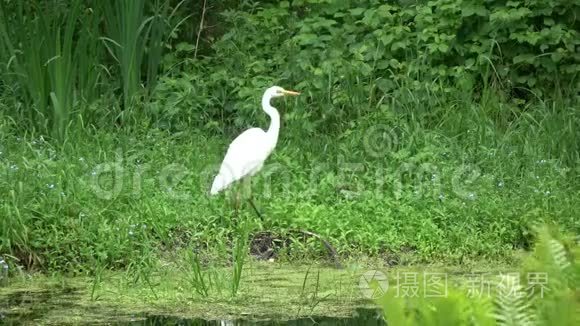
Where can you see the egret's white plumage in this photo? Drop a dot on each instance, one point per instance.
(247, 153)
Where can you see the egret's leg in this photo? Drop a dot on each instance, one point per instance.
(255, 209)
(237, 200)
(251, 201)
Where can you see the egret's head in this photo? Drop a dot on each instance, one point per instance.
(277, 91)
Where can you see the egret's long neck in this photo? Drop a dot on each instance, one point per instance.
(274, 128)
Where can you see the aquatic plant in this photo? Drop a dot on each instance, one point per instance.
(510, 302)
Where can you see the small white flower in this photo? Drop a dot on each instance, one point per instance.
(471, 196)
(500, 184)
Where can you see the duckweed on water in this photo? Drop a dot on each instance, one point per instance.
(268, 291)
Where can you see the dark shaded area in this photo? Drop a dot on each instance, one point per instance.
(361, 317)
(28, 306)
(266, 244)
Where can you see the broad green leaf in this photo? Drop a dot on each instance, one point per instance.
(474, 10)
(527, 58)
(357, 11)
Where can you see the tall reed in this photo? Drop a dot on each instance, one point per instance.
(240, 251)
(135, 41)
(49, 61)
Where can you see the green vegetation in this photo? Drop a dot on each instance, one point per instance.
(427, 131)
(476, 295)
(273, 290)
(514, 299)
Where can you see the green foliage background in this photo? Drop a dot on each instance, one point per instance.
(427, 130)
(525, 49)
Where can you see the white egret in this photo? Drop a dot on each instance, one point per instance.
(247, 153)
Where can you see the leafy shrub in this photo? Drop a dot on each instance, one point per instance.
(351, 54)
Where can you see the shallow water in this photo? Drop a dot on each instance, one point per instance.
(362, 317)
(33, 308)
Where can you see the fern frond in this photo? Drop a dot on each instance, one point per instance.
(559, 255)
(512, 306)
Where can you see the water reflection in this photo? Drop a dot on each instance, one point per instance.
(362, 317)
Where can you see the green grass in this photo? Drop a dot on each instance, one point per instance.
(418, 169)
(464, 188)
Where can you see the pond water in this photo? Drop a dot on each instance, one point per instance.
(361, 317)
(39, 307)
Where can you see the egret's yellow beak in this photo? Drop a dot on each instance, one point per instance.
(285, 92)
